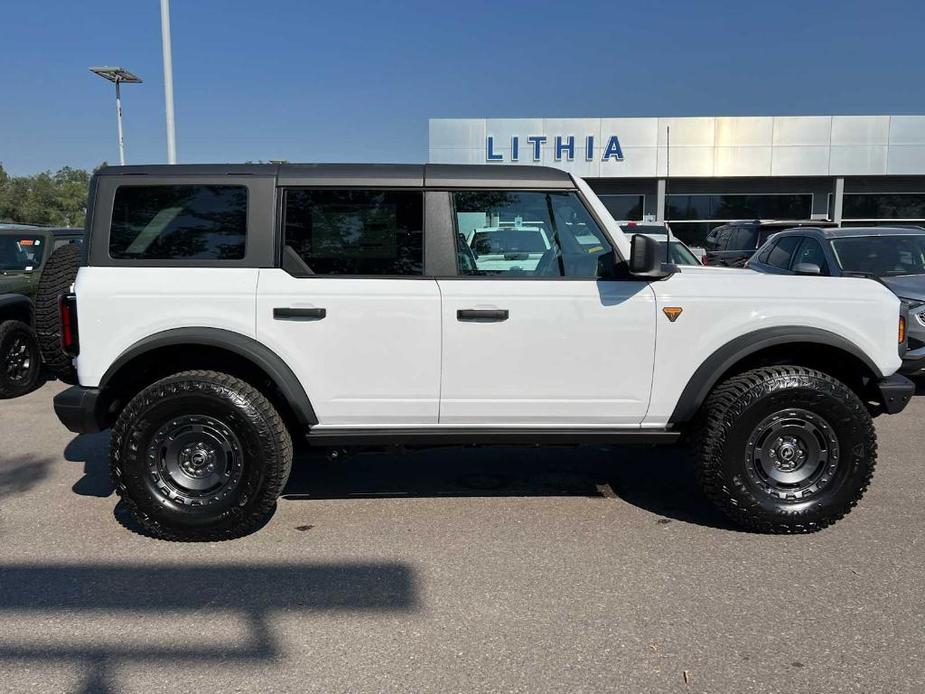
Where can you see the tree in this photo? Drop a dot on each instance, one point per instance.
(58, 198)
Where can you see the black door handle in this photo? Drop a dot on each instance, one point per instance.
(473, 315)
(299, 313)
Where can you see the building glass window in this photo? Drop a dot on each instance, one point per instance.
(624, 207)
(692, 217)
(356, 232)
(740, 206)
(693, 233)
(179, 222)
(872, 206)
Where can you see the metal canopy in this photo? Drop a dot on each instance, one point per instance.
(116, 74)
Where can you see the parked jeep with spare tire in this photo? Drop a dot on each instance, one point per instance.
(224, 312)
(36, 266)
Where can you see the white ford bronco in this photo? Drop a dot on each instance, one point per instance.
(223, 312)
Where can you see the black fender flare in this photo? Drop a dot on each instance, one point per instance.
(18, 305)
(724, 358)
(257, 353)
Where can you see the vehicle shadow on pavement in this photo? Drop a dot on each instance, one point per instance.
(93, 451)
(20, 474)
(89, 602)
(657, 479)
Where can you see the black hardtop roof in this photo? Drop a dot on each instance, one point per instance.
(387, 175)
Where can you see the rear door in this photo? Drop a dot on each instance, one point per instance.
(351, 310)
(559, 343)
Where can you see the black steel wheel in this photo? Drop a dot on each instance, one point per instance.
(200, 456)
(20, 359)
(785, 449)
(794, 454)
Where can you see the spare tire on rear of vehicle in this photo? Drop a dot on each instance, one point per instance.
(57, 277)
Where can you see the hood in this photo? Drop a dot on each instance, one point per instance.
(908, 286)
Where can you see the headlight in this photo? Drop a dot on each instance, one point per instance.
(912, 304)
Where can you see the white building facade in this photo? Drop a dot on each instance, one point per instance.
(855, 170)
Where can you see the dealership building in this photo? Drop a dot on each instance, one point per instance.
(855, 170)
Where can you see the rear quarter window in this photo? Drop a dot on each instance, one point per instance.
(179, 222)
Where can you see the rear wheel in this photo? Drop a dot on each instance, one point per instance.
(785, 449)
(200, 456)
(20, 359)
(57, 277)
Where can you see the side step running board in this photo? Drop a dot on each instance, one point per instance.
(496, 437)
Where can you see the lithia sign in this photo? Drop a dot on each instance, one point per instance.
(563, 147)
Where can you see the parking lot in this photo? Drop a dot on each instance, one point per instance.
(593, 569)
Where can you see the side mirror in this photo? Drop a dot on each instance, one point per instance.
(646, 258)
(807, 269)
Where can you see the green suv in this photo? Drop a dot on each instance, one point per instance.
(37, 264)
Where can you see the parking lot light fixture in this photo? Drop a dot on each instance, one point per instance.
(118, 75)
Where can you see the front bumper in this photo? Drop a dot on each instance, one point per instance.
(78, 409)
(895, 393)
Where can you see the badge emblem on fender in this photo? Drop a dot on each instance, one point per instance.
(672, 312)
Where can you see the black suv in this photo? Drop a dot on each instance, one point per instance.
(735, 242)
(32, 275)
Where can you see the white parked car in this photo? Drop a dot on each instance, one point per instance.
(223, 311)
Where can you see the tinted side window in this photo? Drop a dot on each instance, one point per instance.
(811, 252)
(745, 239)
(181, 222)
(18, 253)
(716, 238)
(529, 234)
(356, 232)
(723, 238)
(762, 256)
(783, 250)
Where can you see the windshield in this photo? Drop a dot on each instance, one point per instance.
(20, 253)
(884, 256)
(656, 229)
(680, 254)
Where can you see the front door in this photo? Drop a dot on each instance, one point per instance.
(350, 311)
(539, 331)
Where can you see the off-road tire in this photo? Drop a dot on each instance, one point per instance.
(141, 470)
(20, 360)
(58, 275)
(729, 449)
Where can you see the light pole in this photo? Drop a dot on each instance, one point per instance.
(118, 75)
(168, 82)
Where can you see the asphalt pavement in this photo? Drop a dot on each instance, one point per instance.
(496, 570)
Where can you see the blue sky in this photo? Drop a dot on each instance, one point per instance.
(357, 81)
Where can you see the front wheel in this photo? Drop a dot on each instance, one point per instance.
(785, 449)
(200, 456)
(20, 359)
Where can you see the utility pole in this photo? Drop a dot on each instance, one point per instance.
(168, 82)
